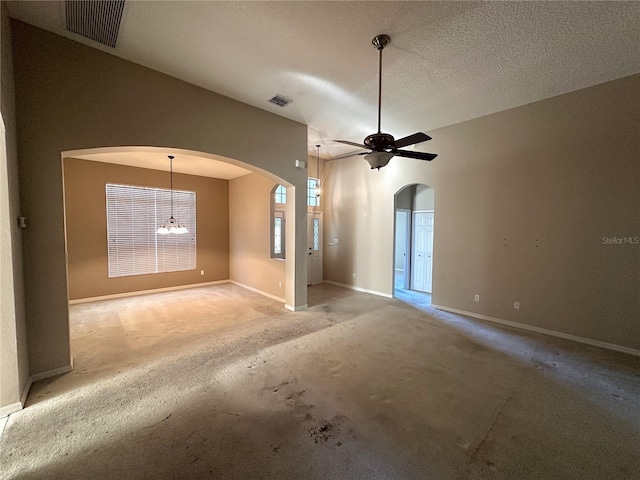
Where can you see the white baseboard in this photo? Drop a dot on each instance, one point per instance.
(16, 407)
(25, 392)
(273, 297)
(358, 289)
(51, 373)
(296, 309)
(9, 409)
(145, 292)
(3, 423)
(553, 333)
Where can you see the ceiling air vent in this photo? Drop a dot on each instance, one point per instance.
(98, 20)
(281, 100)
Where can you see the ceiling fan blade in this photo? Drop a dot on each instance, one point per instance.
(418, 155)
(347, 155)
(346, 142)
(412, 139)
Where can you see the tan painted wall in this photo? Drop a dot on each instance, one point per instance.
(249, 232)
(523, 199)
(14, 361)
(71, 97)
(424, 198)
(86, 228)
(404, 199)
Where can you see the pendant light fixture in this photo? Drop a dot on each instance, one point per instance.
(318, 189)
(171, 226)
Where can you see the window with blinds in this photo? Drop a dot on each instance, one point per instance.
(133, 216)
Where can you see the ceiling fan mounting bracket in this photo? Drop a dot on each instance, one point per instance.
(381, 41)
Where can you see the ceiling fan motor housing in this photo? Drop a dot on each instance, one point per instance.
(379, 142)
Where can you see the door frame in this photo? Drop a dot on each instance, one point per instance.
(407, 239)
(392, 271)
(413, 212)
(310, 216)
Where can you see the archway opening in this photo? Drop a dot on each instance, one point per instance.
(414, 213)
(228, 230)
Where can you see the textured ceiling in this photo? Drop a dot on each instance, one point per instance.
(447, 61)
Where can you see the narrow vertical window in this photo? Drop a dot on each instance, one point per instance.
(280, 194)
(316, 234)
(278, 205)
(313, 200)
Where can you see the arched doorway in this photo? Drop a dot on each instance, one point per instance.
(87, 176)
(414, 212)
(144, 169)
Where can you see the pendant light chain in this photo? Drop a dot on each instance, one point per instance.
(171, 226)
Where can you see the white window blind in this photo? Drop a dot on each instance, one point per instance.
(133, 216)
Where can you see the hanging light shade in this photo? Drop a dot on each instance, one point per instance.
(318, 189)
(171, 226)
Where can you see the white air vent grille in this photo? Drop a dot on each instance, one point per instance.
(98, 20)
(281, 100)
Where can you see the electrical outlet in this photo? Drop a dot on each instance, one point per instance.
(516, 305)
(476, 298)
(201, 272)
(354, 274)
(280, 284)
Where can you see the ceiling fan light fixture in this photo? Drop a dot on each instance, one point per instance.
(378, 159)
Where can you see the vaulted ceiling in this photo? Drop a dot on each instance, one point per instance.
(447, 61)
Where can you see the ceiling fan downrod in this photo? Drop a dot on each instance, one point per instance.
(379, 42)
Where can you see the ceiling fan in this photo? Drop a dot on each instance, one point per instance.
(382, 145)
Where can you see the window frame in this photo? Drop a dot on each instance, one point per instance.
(313, 200)
(133, 246)
(277, 211)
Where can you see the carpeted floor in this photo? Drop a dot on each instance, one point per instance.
(222, 383)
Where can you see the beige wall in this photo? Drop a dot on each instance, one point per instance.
(416, 197)
(84, 183)
(523, 199)
(249, 232)
(424, 198)
(404, 198)
(72, 97)
(14, 361)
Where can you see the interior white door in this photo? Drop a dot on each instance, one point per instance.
(314, 239)
(403, 247)
(429, 253)
(419, 254)
(422, 251)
